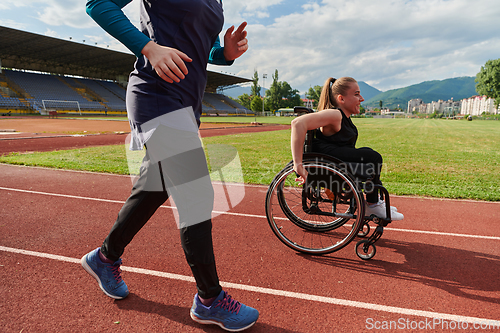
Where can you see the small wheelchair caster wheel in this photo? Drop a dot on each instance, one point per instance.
(365, 230)
(364, 250)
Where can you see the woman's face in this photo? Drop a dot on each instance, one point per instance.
(350, 102)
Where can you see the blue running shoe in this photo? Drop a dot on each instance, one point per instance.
(226, 312)
(108, 275)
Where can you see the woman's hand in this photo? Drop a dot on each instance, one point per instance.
(301, 171)
(235, 43)
(168, 63)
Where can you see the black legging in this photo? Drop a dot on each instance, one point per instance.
(196, 239)
(365, 155)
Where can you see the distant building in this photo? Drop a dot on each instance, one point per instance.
(308, 103)
(372, 112)
(449, 107)
(389, 112)
(414, 105)
(477, 105)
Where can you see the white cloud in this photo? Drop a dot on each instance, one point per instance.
(392, 43)
(69, 13)
(239, 10)
(12, 24)
(72, 13)
(51, 33)
(9, 4)
(105, 41)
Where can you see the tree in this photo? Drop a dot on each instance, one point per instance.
(281, 95)
(488, 80)
(314, 93)
(255, 87)
(381, 103)
(256, 104)
(274, 93)
(244, 100)
(289, 97)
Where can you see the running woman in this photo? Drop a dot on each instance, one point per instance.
(176, 40)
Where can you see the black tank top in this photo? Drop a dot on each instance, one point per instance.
(346, 137)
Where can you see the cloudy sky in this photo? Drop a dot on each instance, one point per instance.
(386, 43)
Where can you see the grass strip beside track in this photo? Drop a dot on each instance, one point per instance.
(437, 158)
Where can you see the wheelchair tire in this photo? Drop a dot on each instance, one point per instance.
(364, 250)
(308, 219)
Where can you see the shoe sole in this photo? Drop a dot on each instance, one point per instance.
(221, 325)
(89, 270)
(392, 218)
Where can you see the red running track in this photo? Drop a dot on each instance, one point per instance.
(28, 142)
(439, 267)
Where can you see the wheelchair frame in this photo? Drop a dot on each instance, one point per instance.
(328, 211)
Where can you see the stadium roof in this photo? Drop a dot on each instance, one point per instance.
(29, 51)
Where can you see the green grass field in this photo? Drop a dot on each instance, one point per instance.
(264, 120)
(424, 157)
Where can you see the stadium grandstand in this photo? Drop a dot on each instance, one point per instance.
(43, 75)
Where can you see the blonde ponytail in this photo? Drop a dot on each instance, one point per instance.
(331, 89)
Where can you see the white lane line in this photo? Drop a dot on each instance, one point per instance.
(442, 233)
(282, 293)
(60, 195)
(246, 215)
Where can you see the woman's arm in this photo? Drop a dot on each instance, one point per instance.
(167, 62)
(109, 15)
(216, 56)
(300, 126)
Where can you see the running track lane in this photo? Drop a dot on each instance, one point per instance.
(430, 269)
(28, 142)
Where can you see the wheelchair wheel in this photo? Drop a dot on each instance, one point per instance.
(364, 250)
(321, 216)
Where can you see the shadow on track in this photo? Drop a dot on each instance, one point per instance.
(463, 273)
(181, 315)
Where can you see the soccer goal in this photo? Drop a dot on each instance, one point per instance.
(55, 105)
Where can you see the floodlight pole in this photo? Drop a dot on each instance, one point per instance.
(264, 76)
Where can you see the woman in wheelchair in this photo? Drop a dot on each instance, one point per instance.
(336, 136)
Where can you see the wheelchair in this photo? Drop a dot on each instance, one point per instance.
(327, 212)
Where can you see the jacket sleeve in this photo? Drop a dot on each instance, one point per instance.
(217, 55)
(109, 15)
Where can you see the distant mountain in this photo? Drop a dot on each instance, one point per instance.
(367, 91)
(428, 91)
(456, 88)
(236, 91)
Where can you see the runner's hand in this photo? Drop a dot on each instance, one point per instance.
(167, 62)
(235, 42)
